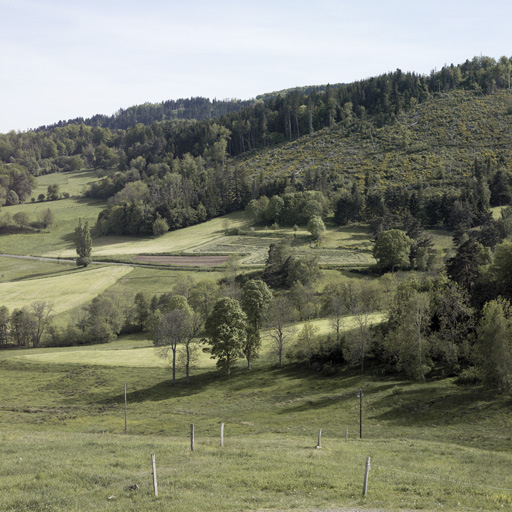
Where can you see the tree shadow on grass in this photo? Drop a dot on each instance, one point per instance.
(166, 390)
(348, 397)
(438, 405)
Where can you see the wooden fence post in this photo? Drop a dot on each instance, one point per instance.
(125, 411)
(155, 485)
(192, 437)
(319, 445)
(222, 435)
(360, 414)
(366, 471)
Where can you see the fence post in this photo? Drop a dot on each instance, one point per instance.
(319, 445)
(155, 485)
(366, 471)
(346, 434)
(192, 437)
(360, 413)
(222, 435)
(125, 411)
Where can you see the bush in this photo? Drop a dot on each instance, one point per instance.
(160, 226)
(329, 369)
(83, 262)
(468, 377)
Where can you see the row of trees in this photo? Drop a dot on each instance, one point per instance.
(25, 326)
(460, 324)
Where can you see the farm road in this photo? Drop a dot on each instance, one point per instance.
(94, 262)
(64, 260)
(144, 261)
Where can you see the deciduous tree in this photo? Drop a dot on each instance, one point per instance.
(256, 297)
(281, 313)
(495, 345)
(83, 244)
(392, 250)
(226, 328)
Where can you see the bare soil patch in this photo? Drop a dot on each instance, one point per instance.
(186, 261)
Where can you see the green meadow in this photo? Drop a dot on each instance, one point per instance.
(59, 241)
(65, 292)
(433, 446)
(73, 182)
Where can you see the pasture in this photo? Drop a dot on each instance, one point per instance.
(72, 182)
(65, 292)
(59, 241)
(433, 446)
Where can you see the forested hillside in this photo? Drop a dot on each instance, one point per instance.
(402, 140)
(149, 113)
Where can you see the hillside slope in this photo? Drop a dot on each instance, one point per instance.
(437, 141)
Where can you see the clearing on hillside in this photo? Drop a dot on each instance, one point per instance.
(173, 241)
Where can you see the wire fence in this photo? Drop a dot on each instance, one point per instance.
(164, 470)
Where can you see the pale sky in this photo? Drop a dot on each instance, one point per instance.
(61, 59)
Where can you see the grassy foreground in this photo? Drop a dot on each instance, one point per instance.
(86, 472)
(434, 446)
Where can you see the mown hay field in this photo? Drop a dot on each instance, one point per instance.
(172, 242)
(65, 292)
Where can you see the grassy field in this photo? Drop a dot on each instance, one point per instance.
(172, 242)
(434, 446)
(73, 182)
(138, 350)
(66, 291)
(16, 269)
(58, 242)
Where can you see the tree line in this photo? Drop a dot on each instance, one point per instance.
(453, 322)
(274, 119)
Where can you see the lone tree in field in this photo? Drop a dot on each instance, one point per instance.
(83, 244)
(226, 328)
(392, 250)
(316, 227)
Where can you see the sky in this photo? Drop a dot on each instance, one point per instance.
(62, 59)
